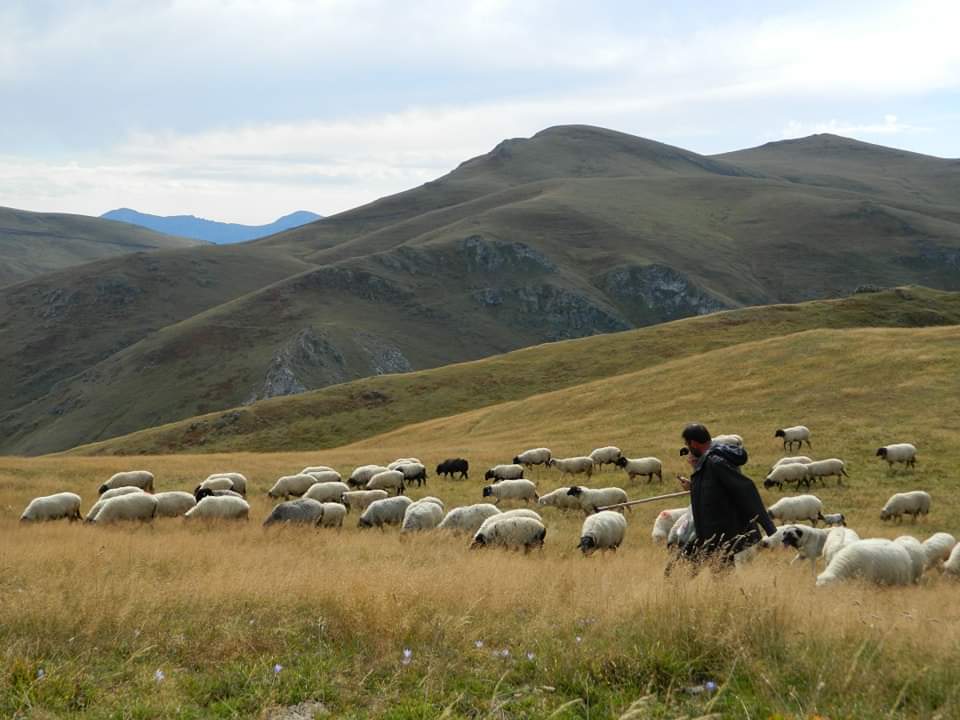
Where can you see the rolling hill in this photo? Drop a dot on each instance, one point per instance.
(573, 232)
(33, 243)
(190, 226)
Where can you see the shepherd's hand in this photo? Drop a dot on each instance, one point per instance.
(684, 481)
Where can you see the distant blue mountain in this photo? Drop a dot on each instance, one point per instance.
(189, 226)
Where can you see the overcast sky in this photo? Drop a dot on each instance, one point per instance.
(243, 111)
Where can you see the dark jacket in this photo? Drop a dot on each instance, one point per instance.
(725, 502)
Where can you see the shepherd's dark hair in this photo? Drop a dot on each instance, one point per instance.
(696, 432)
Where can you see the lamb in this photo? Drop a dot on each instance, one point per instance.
(421, 516)
(142, 479)
(512, 490)
(326, 476)
(454, 465)
(511, 532)
(591, 500)
(787, 473)
(559, 499)
(174, 503)
(227, 507)
(289, 485)
(918, 555)
(573, 466)
(504, 472)
(827, 468)
(326, 491)
(798, 434)
(332, 515)
(834, 519)
(518, 513)
(53, 507)
(362, 474)
(389, 511)
(413, 471)
(837, 540)
(665, 522)
(135, 506)
(938, 548)
(648, 466)
(899, 453)
(913, 503)
(880, 561)
(303, 511)
(361, 499)
(605, 456)
(536, 456)
(602, 531)
(387, 480)
(952, 565)
(239, 481)
(468, 519)
(796, 508)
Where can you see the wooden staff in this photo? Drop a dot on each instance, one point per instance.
(631, 503)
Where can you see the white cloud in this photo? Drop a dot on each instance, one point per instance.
(891, 125)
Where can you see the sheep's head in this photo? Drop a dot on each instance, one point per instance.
(102, 489)
(587, 545)
(516, 459)
(779, 433)
(479, 540)
(885, 514)
(684, 451)
(576, 491)
(488, 491)
(881, 452)
(440, 468)
(489, 475)
(768, 483)
(364, 523)
(620, 462)
(201, 493)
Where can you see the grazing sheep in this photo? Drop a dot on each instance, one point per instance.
(413, 472)
(326, 476)
(332, 515)
(787, 473)
(536, 456)
(305, 511)
(327, 491)
(665, 522)
(289, 485)
(798, 434)
(201, 493)
(226, 507)
(952, 564)
(735, 440)
(808, 542)
(918, 555)
(389, 511)
(421, 516)
(510, 532)
(135, 506)
(834, 519)
(387, 480)
(827, 468)
(454, 465)
(362, 474)
(117, 492)
(602, 531)
(174, 503)
(395, 465)
(876, 560)
(938, 547)
(217, 482)
(803, 459)
(573, 466)
(431, 499)
(361, 499)
(591, 499)
(559, 498)
(796, 508)
(311, 469)
(468, 519)
(648, 466)
(142, 479)
(53, 507)
(512, 490)
(837, 540)
(913, 503)
(605, 456)
(899, 453)
(518, 513)
(504, 472)
(239, 481)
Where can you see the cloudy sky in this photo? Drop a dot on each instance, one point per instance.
(243, 111)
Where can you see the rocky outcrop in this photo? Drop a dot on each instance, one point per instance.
(486, 255)
(383, 356)
(655, 293)
(308, 360)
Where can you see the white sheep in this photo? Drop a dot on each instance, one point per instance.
(938, 547)
(201, 493)
(217, 482)
(361, 475)
(326, 491)
(331, 515)
(413, 472)
(325, 476)
(876, 560)
(518, 513)
(239, 481)
(468, 519)
(421, 516)
(512, 490)
(559, 498)
(432, 499)
(665, 521)
(403, 461)
(834, 519)
(573, 466)
(952, 564)
(174, 503)
(827, 468)
(837, 540)
(510, 532)
(787, 473)
(142, 479)
(648, 466)
(305, 511)
(793, 459)
(914, 503)
(288, 485)
(504, 472)
(135, 506)
(361, 499)
(798, 434)
(117, 492)
(796, 508)
(53, 507)
(226, 507)
(918, 555)
(736, 440)
(602, 531)
(899, 453)
(311, 469)
(387, 480)
(389, 511)
(592, 499)
(535, 456)
(606, 456)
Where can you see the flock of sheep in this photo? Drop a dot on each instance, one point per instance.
(323, 499)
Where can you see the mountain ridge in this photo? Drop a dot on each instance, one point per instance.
(197, 228)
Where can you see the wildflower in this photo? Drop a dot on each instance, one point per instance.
(530, 656)
(710, 685)
(407, 656)
(478, 644)
(578, 639)
(41, 674)
(158, 676)
(277, 668)
(505, 653)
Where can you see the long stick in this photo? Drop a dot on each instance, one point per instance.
(631, 503)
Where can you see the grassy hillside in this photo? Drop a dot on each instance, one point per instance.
(216, 609)
(33, 243)
(344, 413)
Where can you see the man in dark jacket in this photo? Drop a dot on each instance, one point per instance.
(726, 505)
